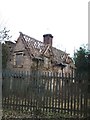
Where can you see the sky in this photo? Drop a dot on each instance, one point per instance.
(66, 20)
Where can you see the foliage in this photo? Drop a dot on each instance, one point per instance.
(12, 114)
(4, 36)
(5, 55)
(81, 60)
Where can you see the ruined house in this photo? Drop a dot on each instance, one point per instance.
(30, 54)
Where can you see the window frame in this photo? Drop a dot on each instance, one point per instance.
(15, 59)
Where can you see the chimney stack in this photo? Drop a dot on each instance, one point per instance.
(47, 39)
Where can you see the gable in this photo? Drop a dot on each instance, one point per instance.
(19, 45)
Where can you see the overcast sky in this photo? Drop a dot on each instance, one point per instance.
(66, 20)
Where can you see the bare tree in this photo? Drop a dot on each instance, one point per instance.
(4, 35)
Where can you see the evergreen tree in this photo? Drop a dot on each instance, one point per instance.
(81, 60)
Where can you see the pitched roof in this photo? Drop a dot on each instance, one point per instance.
(37, 48)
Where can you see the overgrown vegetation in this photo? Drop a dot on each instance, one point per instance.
(38, 115)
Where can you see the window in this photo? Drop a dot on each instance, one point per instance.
(18, 59)
(46, 62)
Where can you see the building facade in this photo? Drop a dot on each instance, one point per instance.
(30, 54)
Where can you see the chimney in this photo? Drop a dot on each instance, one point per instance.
(47, 39)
